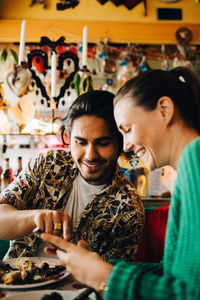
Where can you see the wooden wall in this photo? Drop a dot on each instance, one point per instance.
(118, 24)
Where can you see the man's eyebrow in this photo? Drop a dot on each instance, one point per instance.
(97, 140)
(104, 138)
(79, 138)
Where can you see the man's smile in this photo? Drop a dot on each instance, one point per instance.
(93, 166)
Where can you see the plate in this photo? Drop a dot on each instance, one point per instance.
(38, 261)
(35, 295)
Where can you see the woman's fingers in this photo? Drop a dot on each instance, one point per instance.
(62, 257)
(57, 241)
(50, 251)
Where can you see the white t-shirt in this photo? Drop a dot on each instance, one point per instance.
(82, 193)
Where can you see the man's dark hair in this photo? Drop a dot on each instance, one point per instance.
(94, 103)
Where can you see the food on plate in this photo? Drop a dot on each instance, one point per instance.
(27, 271)
(24, 264)
(4, 266)
(9, 278)
(52, 296)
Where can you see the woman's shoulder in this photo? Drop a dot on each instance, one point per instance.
(192, 148)
(190, 157)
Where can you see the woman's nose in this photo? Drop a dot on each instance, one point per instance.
(127, 146)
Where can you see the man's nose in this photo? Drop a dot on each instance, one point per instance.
(91, 152)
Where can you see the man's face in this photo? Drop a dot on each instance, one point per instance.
(94, 149)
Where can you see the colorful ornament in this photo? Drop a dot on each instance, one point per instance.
(83, 81)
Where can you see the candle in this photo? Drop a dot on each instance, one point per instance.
(22, 43)
(84, 47)
(53, 74)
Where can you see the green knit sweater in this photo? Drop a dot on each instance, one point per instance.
(177, 277)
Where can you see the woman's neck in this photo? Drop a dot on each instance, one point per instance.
(180, 139)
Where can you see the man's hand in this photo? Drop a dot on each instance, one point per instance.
(87, 267)
(15, 223)
(53, 222)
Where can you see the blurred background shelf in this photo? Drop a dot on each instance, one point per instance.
(155, 202)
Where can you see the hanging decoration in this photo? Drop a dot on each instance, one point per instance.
(107, 57)
(44, 2)
(5, 125)
(83, 82)
(64, 4)
(32, 84)
(64, 72)
(183, 35)
(18, 80)
(3, 102)
(23, 112)
(164, 59)
(130, 4)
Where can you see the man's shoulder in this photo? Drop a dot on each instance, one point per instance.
(121, 180)
(55, 160)
(123, 186)
(57, 155)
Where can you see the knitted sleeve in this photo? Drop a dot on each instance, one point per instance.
(179, 277)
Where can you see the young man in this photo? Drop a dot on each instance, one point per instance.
(82, 194)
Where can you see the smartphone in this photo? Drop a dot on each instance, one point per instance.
(38, 232)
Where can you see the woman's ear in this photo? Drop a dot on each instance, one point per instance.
(166, 108)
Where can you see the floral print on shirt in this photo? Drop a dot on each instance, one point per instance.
(111, 223)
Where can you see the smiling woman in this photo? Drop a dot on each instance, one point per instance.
(140, 128)
(149, 121)
(158, 113)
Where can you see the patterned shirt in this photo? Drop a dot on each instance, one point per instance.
(111, 223)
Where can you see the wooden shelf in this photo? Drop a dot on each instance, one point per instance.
(116, 32)
(155, 202)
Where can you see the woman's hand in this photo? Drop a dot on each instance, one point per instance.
(87, 267)
(53, 222)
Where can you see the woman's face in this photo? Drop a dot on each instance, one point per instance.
(143, 131)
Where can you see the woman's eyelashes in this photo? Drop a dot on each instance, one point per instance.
(126, 130)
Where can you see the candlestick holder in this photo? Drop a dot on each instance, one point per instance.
(52, 105)
(85, 69)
